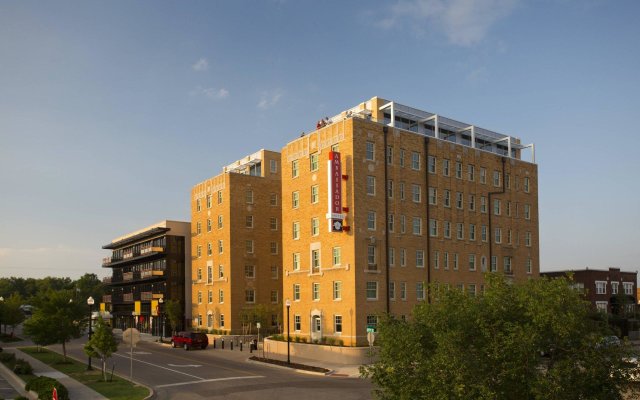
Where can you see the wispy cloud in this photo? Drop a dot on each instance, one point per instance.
(270, 99)
(211, 93)
(464, 22)
(201, 65)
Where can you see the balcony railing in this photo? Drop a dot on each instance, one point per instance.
(146, 296)
(108, 261)
(106, 279)
(127, 297)
(127, 276)
(106, 298)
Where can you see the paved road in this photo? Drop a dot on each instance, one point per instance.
(212, 374)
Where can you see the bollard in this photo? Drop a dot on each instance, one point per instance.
(214, 343)
(232, 345)
(251, 347)
(240, 346)
(222, 346)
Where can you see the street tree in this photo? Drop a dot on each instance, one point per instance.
(102, 344)
(12, 315)
(173, 311)
(57, 319)
(531, 340)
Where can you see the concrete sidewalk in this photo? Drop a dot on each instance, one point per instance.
(76, 389)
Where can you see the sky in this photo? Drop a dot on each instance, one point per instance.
(110, 111)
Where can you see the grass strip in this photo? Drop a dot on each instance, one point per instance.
(117, 389)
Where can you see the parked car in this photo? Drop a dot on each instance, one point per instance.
(190, 340)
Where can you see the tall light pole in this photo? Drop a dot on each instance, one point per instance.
(288, 303)
(1, 306)
(90, 303)
(160, 301)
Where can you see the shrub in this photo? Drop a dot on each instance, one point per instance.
(44, 386)
(297, 339)
(340, 342)
(331, 341)
(304, 340)
(22, 367)
(7, 357)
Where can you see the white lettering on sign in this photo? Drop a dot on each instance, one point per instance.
(334, 169)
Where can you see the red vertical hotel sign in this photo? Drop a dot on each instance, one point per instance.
(335, 191)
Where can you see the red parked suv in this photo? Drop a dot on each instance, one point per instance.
(190, 340)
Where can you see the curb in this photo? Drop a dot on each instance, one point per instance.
(16, 382)
(301, 371)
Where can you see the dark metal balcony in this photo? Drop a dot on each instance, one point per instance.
(110, 262)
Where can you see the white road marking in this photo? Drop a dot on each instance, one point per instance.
(159, 366)
(210, 380)
(184, 365)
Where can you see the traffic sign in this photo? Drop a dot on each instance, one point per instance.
(371, 337)
(370, 329)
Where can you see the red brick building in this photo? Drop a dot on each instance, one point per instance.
(605, 289)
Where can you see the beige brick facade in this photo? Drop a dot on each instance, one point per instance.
(237, 246)
(418, 209)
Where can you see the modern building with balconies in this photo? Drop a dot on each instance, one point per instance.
(149, 267)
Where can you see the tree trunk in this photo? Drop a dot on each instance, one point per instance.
(104, 369)
(64, 350)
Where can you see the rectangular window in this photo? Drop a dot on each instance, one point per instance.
(370, 152)
(508, 208)
(447, 229)
(371, 220)
(415, 160)
(417, 226)
(372, 322)
(198, 228)
(483, 204)
(314, 194)
(601, 287)
(273, 223)
(416, 193)
(273, 247)
(220, 296)
(296, 261)
(372, 290)
(472, 232)
(472, 262)
(419, 259)
(273, 199)
(526, 185)
(527, 239)
(371, 185)
(295, 199)
(221, 320)
(483, 175)
(297, 323)
(529, 266)
(313, 162)
(250, 271)
(433, 196)
(471, 172)
(248, 246)
(433, 227)
(420, 291)
(496, 178)
(390, 188)
(392, 256)
(498, 236)
(248, 196)
(274, 297)
(337, 256)
(392, 290)
(337, 324)
(209, 249)
(403, 224)
(483, 233)
(273, 166)
(496, 207)
(219, 196)
(494, 263)
(315, 291)
(507, 265)
(337, 290)
(403, 290)
(471, 289)
(401, 190)
(220, 271)
(447, 198)
(455, 261)
(445, 167)
(614, 287)
(389, 155)
(509, 236)
(198, 204)
(432, 164)
(199, 297)
(250, 296)
(371, 256)
(458, 170)
(445, 260)
(209, 224)
(220, 222)
(601, 306)
(296, 292)
(199, 251)
(460, 231)
(628, 288)
(295, 170)
(436, 259)
(315, 261)
(527, 211)
(403, 257)
(507, 181)
(248, 221)
(459, 201)
(402, 157)
(209, 201)
(274, 272)
(296, 230)
(209, 274)
(315, 226)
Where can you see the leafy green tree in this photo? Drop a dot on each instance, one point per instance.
(102, 344)
(491, 347)
(174, 313)
(57, 319)
(11, 313)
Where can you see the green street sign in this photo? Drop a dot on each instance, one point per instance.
(370, 329)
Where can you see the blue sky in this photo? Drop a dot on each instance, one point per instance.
(111, 111)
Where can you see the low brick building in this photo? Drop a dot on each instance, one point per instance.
(605, 289)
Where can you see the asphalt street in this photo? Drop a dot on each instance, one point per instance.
(220, 374)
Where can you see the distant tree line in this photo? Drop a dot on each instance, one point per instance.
(29, 288)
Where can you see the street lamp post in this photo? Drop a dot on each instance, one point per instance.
(1, 304)
(90, 302)
(288, 303)
(160, 301)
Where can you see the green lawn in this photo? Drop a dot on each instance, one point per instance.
(118, 389)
